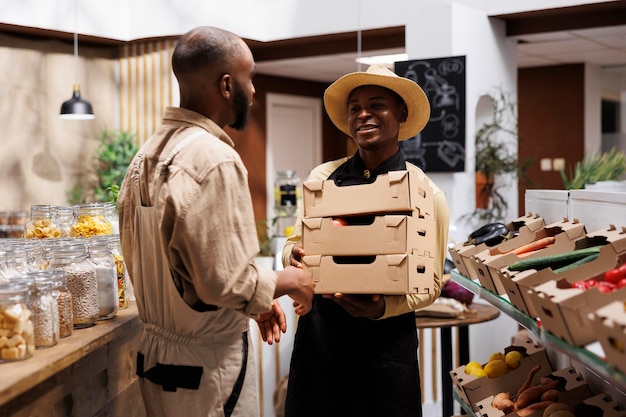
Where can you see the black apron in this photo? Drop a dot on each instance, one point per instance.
(342, 365)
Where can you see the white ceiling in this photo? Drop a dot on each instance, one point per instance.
(605, 47)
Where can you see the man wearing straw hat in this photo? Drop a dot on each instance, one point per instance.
(357, 354)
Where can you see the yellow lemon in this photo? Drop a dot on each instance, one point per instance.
(496, 356)
(471, 366)
(478, 372)
(513, 359)
(496, 368)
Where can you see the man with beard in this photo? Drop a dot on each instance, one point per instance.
(189, 238)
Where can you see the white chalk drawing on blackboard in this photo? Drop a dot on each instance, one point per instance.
(442, 95)
(414, 150)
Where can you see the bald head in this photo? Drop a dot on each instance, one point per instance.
(204, 48)
(212, 66)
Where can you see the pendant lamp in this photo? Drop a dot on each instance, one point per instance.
(76, 108)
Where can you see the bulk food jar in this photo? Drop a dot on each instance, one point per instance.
(64, 301)
(106, 274)
(80, 275)
(41, 224)
(16, 323)
(123, 280)
(90, 220)
(45, 309)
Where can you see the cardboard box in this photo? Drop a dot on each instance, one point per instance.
(564, 310)
(376, 274)
(488, 263)
(394, 192)
(518, 284)
(472, 389)
(600, 405)
(573, 390)
(371, 235)
(461, 253)
(609, 323)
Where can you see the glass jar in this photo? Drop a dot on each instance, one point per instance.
(45, 309)
(64, 217)
(110, 211)
(287, 193)
(15, 322)
(90, 220)
(80, 275)
(123, 280)
(64, 301)
(15, 261)
(106, 274)
(41, 224)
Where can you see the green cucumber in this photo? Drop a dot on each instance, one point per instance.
(554, 261)
(578, 263)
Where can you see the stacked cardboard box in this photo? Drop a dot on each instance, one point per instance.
(609, 323)
(376, 238)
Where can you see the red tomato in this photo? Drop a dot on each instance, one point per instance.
(621, 283)
(580, 285)
(605, 287)
(613, 275)
(591, 282)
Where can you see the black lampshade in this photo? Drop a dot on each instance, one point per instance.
(76, 108)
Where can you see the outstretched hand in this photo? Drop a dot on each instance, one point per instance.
(272, 323)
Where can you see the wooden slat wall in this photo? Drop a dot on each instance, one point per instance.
(147, 85)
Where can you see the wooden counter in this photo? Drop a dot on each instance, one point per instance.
(90, 373)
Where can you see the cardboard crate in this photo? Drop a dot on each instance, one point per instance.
(370, 235)
(518, 284)
(376, 274)
(461, 253)
(489, 262)
(564, 310)
(394, 192)
(609, 323)
(600, 405)
(573, 390)
(472, 389)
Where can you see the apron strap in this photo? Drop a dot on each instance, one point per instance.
(234, 396)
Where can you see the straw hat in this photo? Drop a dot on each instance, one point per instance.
(336, 98)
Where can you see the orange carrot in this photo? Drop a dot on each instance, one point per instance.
(536, 245)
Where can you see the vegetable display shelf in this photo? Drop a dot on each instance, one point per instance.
(594, 363)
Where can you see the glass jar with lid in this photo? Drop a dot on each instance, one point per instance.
(123, 280)
(90, 220)
(80, 275)
(106, 274)
(64, 217)
(45, 309)
(110, 211)
(15, 261)
(41, 224)
(15, 322)
(64, 301)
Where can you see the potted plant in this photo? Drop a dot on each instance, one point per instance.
(496, 145)
(595, 167)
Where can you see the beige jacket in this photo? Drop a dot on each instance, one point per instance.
(207, 220)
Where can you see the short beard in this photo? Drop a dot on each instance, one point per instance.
(242, 106)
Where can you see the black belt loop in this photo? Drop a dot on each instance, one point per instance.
(234, 396)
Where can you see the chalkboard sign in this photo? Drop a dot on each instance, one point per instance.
(440, 147)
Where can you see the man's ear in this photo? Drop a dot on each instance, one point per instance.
(404, 113)
(226, 86)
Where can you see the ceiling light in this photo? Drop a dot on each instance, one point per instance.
(387, 60)
(76, 108)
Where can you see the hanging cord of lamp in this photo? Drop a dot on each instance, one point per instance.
(76, 108)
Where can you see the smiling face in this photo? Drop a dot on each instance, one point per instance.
(374, 117)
